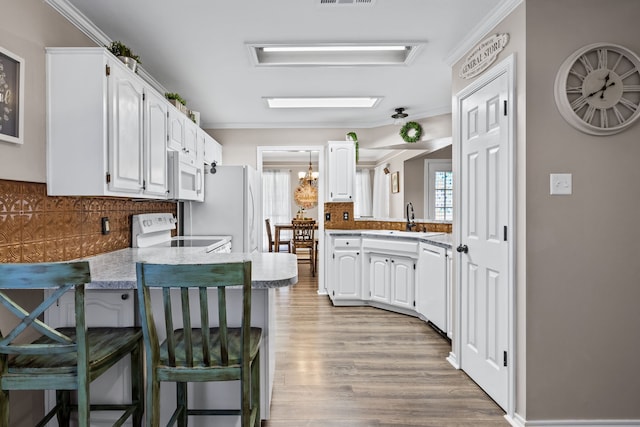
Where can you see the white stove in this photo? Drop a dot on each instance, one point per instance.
(154, 230)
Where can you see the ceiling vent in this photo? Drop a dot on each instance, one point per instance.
(346, 2)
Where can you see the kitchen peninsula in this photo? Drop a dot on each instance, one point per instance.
(111, 301)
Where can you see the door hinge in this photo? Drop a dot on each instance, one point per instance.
(108, 177)
(333, 293)
(144, 184)
(107, 70)
(505, 233)
(144, 96)
(504, 356)
(334, 256)
(505, 107)
(414, 266)
(414, 303)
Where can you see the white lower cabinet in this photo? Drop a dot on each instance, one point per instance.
(431, 301)
(379, 278)
(391, 280)
(104, 308)
(345, 276)
(404, 275)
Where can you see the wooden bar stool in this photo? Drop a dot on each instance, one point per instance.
(63, 359)
(198, 352)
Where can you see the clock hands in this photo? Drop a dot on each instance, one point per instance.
(604, 87)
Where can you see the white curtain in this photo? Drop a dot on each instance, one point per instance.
(363, 205)
(381, 192)
(276, 198)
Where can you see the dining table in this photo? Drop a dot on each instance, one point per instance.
(279, 228)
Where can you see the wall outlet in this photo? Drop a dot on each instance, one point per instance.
(345, 216)
(105, 225)
(327, 216)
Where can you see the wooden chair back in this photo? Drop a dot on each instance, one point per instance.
(180, 342)
(303, 232)
(269, 235)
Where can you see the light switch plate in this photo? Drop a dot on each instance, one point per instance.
(560, 184)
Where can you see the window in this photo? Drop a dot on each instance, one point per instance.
(443, 209)
(276, 197)
(438, 189)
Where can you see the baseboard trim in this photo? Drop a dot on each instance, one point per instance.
(518, 421)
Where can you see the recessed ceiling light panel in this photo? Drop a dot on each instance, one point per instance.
(333, 54)
(323, 102)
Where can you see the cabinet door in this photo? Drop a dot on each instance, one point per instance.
(379, 286)
(402, 282)
(176, 129)
(212, 150)
(126, 111)
(103, 308)
(432, 288)
(342, 171)
(155, 144)
(347, 274)
(190, 146)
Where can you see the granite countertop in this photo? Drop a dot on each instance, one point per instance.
(117, 270)
(444, 240)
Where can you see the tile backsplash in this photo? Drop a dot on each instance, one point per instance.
(339, 216)
(35, 227)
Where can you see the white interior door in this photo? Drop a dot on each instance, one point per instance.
(484, 249)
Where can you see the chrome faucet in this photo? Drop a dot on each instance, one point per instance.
(410, 217)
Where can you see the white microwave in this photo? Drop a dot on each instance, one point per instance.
(186, 178)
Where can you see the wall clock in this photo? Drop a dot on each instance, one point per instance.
(597, 89)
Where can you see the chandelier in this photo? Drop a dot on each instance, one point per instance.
(306, 195)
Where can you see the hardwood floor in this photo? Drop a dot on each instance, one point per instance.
(362, 366)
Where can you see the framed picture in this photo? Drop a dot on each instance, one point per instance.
(11, 97)
(395, 182)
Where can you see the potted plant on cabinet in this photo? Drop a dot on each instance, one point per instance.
(124, 53)
(177, 101)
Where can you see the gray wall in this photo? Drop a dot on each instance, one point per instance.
(28, 26)
(577, 273)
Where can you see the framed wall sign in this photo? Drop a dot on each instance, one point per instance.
(395, 182)
(11, 97)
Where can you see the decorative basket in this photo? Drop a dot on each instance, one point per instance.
(180, 106)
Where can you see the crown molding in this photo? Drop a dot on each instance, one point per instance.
(497, 14)
(81, 22)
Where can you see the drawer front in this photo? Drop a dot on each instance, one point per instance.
(391, 246)
(346, 242)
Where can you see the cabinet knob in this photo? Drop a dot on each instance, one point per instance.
(462, 249)
(124, 297)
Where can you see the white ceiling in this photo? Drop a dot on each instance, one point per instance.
(198, 49)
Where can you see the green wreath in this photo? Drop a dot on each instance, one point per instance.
(408, 127)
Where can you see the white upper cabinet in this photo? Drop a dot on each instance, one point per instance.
(177, 122)
(342, 171)
(190, 147)
(103, 136)
(155, 144)
(212, 149)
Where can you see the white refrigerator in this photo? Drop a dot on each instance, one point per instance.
(230, 208)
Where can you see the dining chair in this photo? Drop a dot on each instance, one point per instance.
(304, 238)
(62, 359)
(191, 350)
(281, 243)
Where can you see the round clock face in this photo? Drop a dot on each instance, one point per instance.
(597, 89)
